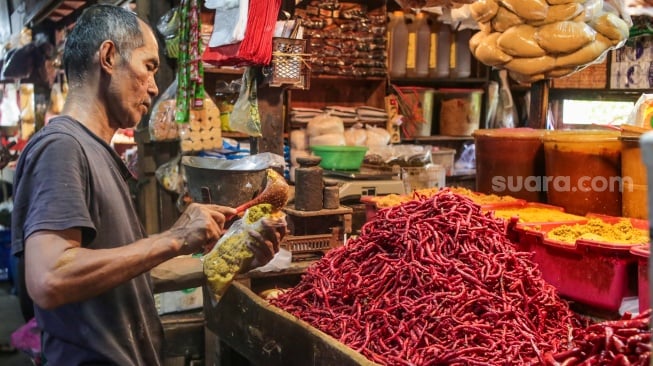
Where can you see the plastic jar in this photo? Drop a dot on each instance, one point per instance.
(460, 111)
(510, 161)
(443, 51)
(398, 31)
(463, 57)
(419, 38)
(583, 171)
(421, 100)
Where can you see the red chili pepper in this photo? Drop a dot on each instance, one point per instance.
(430, 276)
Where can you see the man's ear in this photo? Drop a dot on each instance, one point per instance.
(108, 55)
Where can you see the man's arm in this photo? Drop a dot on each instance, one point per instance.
(59, 270)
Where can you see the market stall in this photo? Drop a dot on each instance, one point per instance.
(440, 207)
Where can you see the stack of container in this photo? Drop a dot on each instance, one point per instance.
(420, 46)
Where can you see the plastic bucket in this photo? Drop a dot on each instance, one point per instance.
(633, 200)
(421, 101)
(633, 172)
(510, 161)
(430, 176)
(222, 182)
(583, 171)
(460, 111)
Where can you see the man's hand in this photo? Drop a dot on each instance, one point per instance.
(266, 243)
(200, 226)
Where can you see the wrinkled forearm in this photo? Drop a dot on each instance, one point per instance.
(78, 273)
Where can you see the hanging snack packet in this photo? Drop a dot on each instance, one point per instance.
(162, 123)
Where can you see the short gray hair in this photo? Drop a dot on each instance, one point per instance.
(99, 23)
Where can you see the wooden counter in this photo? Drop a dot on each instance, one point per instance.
(266, 335)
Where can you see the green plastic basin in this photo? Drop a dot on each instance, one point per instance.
(340, 157)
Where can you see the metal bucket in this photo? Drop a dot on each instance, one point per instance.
(223, 182)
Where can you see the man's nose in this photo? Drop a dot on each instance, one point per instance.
(152, 89)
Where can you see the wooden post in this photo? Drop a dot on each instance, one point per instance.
(539, 104)
(270, 103)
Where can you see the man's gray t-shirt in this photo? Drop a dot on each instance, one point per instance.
(67, 177)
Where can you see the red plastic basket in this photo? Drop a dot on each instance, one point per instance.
(642, 253)
(595, 273)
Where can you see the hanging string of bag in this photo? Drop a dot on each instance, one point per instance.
(196, 115)
(183, 77)
(190, 73)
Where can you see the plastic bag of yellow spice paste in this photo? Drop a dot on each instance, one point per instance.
(231, 254)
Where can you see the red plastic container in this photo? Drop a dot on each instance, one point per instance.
(517, 229)
(642, 253)
(595, 273)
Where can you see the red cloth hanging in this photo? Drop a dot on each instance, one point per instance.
(256, 46)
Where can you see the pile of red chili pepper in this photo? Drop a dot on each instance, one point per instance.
(614, 342)
(434, 281)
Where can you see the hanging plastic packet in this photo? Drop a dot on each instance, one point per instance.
(245, 116)
(168, 25)
(162, 125)
(169, 175)
(230, 21)
(203, 131)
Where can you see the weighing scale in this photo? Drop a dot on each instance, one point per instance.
(365, 182)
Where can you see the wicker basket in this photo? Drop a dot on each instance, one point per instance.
(290, 64)
(302, 244)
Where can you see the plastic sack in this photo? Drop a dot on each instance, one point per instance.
(162, 124)
(323, 124)
(377, 136)
(355, 136)
(245, 116)
(232, 254)
(169, 175)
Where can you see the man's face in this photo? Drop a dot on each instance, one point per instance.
(133, 86)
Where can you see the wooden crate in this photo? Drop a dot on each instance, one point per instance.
(594, 76)
(267, 335)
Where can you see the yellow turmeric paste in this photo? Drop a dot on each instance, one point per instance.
(622, 232)
(482, 198)
(397, 199)
(535, 214)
